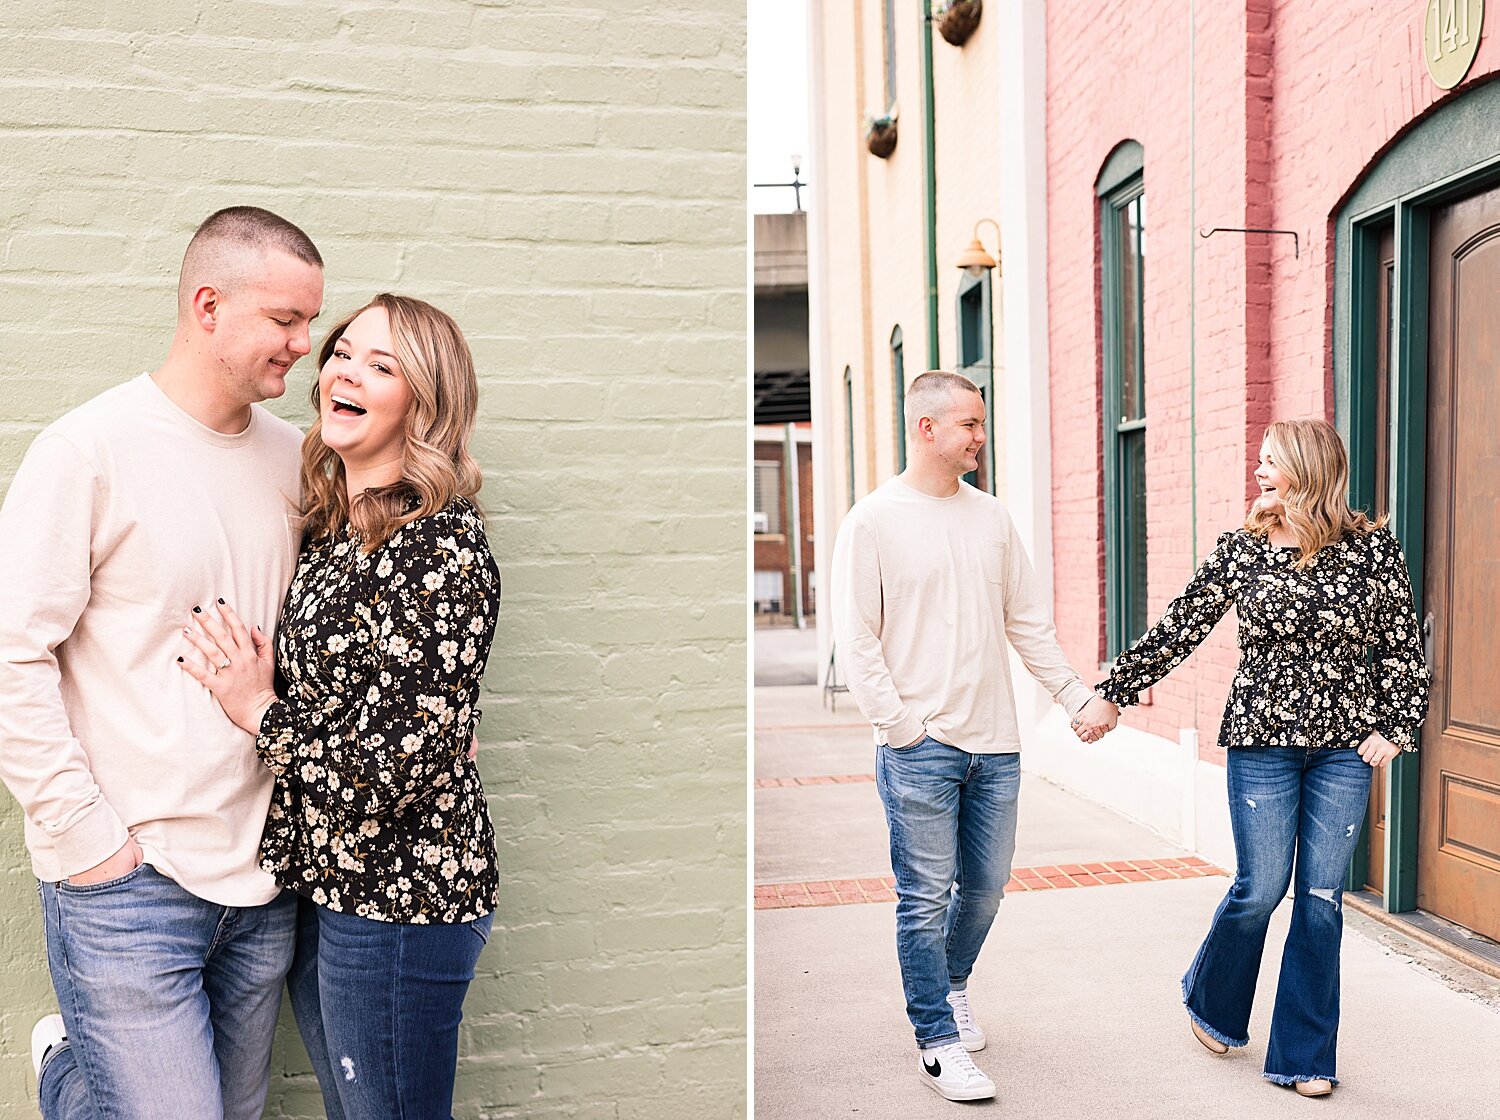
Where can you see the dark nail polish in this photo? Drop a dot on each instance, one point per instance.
(197, 610)
(221, 602)
(179, 659)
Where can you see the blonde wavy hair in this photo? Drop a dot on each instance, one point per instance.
(437, 466)
(1315, 504)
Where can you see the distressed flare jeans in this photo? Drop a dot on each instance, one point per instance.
(1283, 802)
(952, 817)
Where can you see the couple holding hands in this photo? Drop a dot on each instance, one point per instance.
(242, 673)
(930, 583)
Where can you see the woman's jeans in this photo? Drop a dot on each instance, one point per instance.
(378, 1005)
(952, 817)
(1283, 800)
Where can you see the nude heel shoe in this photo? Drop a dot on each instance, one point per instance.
(1212, 1044)
(1318, 1087)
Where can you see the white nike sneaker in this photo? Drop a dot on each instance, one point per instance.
(48, 1033)
(968, 1031)
(952, 1073)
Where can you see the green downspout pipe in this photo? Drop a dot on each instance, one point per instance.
(930, 154)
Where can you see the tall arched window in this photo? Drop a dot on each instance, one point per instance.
(1121, 189)
(898, 396)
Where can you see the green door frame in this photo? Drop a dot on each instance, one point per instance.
(1433, 164)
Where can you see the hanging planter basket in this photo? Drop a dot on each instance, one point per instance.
(957, 19)
(880, 137)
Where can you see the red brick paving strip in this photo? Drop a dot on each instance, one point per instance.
(815, 780)
(844, 892)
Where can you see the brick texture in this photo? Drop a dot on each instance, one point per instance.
(568, 181)
(774, 552)
(851, 892)
(1294, 101)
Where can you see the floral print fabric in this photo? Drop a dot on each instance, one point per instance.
(378, 809)
(1328, 653)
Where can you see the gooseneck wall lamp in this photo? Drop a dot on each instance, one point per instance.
(974, 259)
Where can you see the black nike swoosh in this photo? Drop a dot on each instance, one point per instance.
(935, 1067)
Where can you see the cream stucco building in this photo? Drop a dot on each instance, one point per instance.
(886, 297)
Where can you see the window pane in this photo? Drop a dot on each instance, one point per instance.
(1133, 534)
(768, 588)
(971, 340)
(1140, 302)
(768, 496)
(1128, 218)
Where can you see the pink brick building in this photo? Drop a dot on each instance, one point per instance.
(1373, 310)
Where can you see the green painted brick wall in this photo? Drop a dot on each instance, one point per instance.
(568, 181)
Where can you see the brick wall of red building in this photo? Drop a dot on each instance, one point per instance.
(774, 552)
(1290, 102)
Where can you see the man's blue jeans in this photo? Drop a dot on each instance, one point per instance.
(170, 1001)
(378, 1005)
(1283, 800)
(952, 817)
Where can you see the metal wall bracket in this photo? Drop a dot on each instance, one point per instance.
(1235, 229)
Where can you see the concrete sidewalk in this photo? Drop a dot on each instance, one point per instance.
(1077, 987)
(785, 655)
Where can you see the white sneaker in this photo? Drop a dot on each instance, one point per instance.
(47, 1033)
(952, 1073)
(968, 1031)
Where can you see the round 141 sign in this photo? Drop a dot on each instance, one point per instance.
(1450, 38)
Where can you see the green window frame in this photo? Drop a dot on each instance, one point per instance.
(1121, 190)
(898, 395)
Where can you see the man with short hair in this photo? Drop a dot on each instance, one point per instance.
(143, 803)
(930, 580)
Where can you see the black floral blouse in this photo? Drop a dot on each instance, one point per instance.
(1304, 678)
(378, 809)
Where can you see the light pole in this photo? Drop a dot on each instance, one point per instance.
(796, 184)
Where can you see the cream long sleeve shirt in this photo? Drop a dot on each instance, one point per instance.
(925, 592)
(125, 514)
